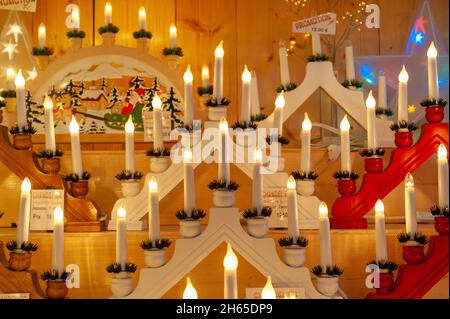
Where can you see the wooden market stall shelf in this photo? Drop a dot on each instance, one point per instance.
(349, 212)
(81, 214)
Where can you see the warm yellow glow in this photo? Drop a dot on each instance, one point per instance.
(219, 52)
(246, 75)
(156, 102)
(129, 126)
(268, 292)
(189, 291)
(10, 73)
(26, 185)
(142, 12)
(345, 124)
(280, 101)
(122, 212)
(230, 262)
(76, 17)
(205, 72)
(19, 81)
(403, 76)
(73, 126)
(370, 102)
(58, 215)
(409, 180)
(291, 184)
(379, 208)
(42, 29)
(323, 210)
(306, 124)
(153, 185)
(173, 29)
(223, 125)
(188, 76)
(258, 156)
(432, 52)
(442, 151)
(48, 103)
(108, 9)
(187, 155)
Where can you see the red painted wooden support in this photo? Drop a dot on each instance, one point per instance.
(414, 281)
(348, 212)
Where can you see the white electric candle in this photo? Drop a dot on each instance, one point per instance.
(173, 36)
(205, 76)
(77, 166)
(10, 75)
(292, 209)
(257, 189)
(230, 263)
(42, 35)
(224, 165)
(58, 241)
(284, 64)
(153, 211)
(380, 228)
(142, 19)
(157, 123)
(188, 78)
(121, 237)
(410, 205)
(108, 13)
(254, 99)
(346, 165)
(189, 291)
(442, 176)
(23, 222)
(382, 96)
(246, 91)
(278, 113)
(76, 18)
(189, 183)
(129, 146)
(349, 61)
(21, 108)
(305, 159)
(403, 78)
(325, 238)
(218, 72)
(433, 84)
(268, 291)
(372, 143)
(50, 144)
(316, 45)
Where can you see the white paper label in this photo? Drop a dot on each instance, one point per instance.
(276, 198)
(43, 203)
(282, 293)
(323, 24)
(18, 5)
(15, 296)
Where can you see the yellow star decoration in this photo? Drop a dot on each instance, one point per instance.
(411, 108)
(14, 29)
(10, 49)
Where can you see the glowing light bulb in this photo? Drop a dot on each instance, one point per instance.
(403, 76)
(306, 124)
(75, 18)
(108, 9)
(370, 102)
(219, 52)
(122, 212)
(223, 125)
(442, 151)
(42, 29)
(432, 52)
(291, 184)
(246, 75)
(156, 102)
(10, 73)
(257, 155)
(409, 180)
(323, 210)
(345, 124)
(142, 13)
(19, 81)
(205, 71)
(379, 207)
(48, 103)
(26, 185)
(230, 262)
(73, 126)
(188, 77)
(58, 215)
(268, 292)
(129, 126)
(189, 291)
(173, 29)
(187, 155)
(153, 185)
(280, 100)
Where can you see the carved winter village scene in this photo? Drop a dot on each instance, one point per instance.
(118, 93)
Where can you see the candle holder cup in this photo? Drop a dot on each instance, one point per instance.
(257, 226)
(143, 45)
(441, 225)
(386, 283)
(42, 61)
(373, 165)
(434, 114)
(121, 285)
(223, 198)
(216, 113)
(155, 258)
(22, 141)
(51, 166)
(77, 43)
(130, 188)
(403, 139)
(305, 187)
(204, 98)
(294, 256)
(19, 260)
(56, 289)
(346, 187)
(79, 189)
(173, 61)
(328, 285)
(413, 253)
(190, 228)
(109, 39)
(159, 164)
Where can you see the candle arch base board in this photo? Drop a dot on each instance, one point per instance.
(223, 226)
(320, 75)
(80, 214)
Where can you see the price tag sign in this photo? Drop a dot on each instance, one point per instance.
(147, 119)
(43, 203)
(24, 295)
(276, 198)
(18, 5)
(282, 293)
(323, 24)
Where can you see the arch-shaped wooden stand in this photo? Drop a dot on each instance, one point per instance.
(223, 226)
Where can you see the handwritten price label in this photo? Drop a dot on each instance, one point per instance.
(324, 24)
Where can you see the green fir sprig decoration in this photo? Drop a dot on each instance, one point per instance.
(277, 139)
(417, 237)
(26, 246)
(159, 152)
(383, 111)
(109, 28)
(8, 94)
(221, 185)
(434, 103)
(46, 154)
(45, 51)
(53, 274)
(76, 34)
(116, 268)
(289, 241)
(439, 211)
(333, 271)
(318, 58)
(196, 214)
(371, 152)
(159, 244)
(386, 265)
(243, 125)
(352, 83)
(286, 88)
(29, 130)
(126, 175)
(258, 117)
(345, 175)
(205, 90)
(411, 127)
(213, 102)
(253, 213)
(173, 51)
(74, 178)
(301, 176)
(142, 34)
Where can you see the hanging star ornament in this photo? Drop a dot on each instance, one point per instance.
(10, 48)
(32, 74)
(411, 108)
(14, 29)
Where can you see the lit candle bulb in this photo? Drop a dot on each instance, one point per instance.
(129, 146)
(58, 241)
(382, 97)
(325, 240)
(189, 184)
(205, 76)
(410, 205)
(380, 228)
(305, 159)
(403, 78)
(254, 99)
(21, 108)
(292, 209)
(10, 75)
(278, 114)
(257, 189)
(173, 36)
(142, 19)
(76, 18)
(189, 291)
(246, 91)
(121, 237)
(23, 222)
(268, 291)
(349, 61)
(218, 72)
(442, 176)
(188, 78)
(77, 166)
(108, 13)
(345, 145)
(49, 125)
(42, 35)
(433, 84)
(371, 129)
(157, 123)
(153, 211)
(230, 263)
(224, 165)
(284, 66)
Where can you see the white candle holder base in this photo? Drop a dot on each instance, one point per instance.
(294, 256)
(130, 188)
(77, 44)
(203, 100)
(190, 228)
(257, 227)
(42, 61)
(159, 164)
(109, 39)
(305, 187)
(155, 258)
(173, 61)
(216, 113)
(121, 286)
(143, 45)
(328, 286)
(223, 198)
(246, 138)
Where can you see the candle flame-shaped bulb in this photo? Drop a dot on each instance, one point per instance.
(291, 184)
(129, 126)
(156, 102)
(73, 126)
(257, 154)
(188, 77)
(26, 185)
(108, 8)
(403, 76)
(345, 124)
(153, 185)
(142, 12)
(122, 212)
(173, 29)
(280, 100)
(268, 292)
(187, 155)
(379, 208)
(48, 103)
(219, 52)
(442, 151)
(323, 210)
(58, 215)
(19, 81)
(10, 73)
(409, 180)
(306, 124)
(205, 71)
(223, 125)
(246, 75)
(41, 29)
(75, 14)
(370, 102)
(230, 262)
(189, 291)
(432, 52)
